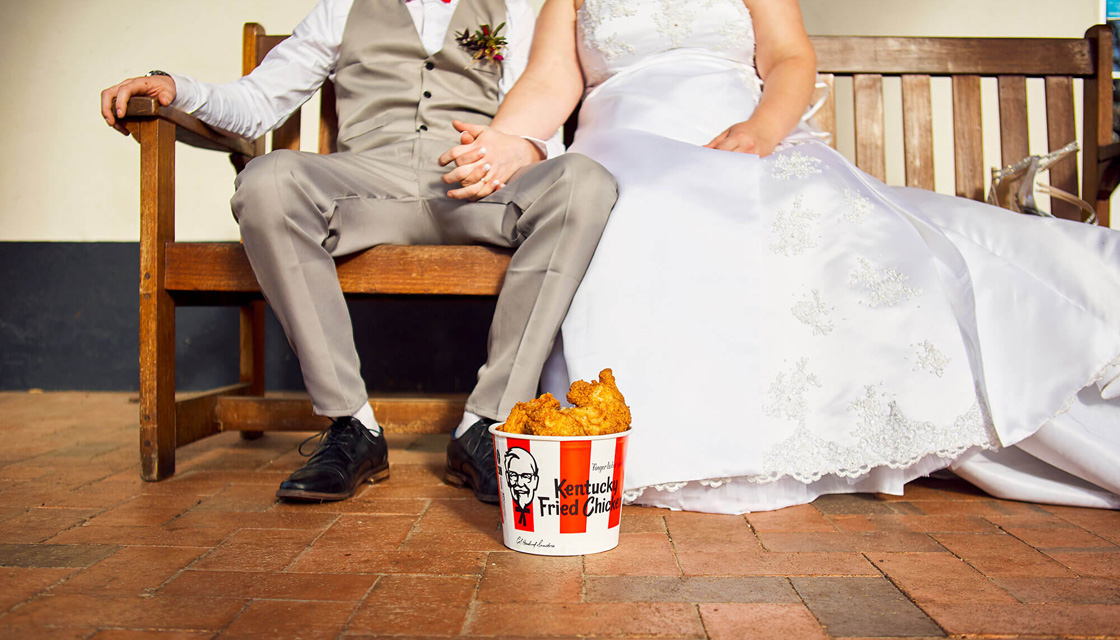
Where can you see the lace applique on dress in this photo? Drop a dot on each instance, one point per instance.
(930, 358)
(883, 437)
(793, 230)
(612, 47)
(901, 441)
(795, 165)
(630, 495)
(738, 32)
(887, 287)
(613, 34)
(674, 21)
(714, 483)
(787, 393)
(596, 13)
(732, 35)
(814, 313)
(593, 15)
(856, 207)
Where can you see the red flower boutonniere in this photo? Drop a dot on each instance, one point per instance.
(484, 43)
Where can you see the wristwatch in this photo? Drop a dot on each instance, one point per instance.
(157, 72)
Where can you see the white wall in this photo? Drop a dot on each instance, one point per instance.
(978, 18)
(65, 176)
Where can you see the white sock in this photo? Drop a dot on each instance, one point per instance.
(365, 416)
(468, 421)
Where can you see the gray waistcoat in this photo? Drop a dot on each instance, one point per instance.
(389, 89)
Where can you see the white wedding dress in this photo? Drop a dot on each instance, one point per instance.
(787, 327)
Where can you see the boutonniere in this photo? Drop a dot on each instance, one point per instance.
(484, 43)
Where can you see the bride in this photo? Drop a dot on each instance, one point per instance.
(784, 325)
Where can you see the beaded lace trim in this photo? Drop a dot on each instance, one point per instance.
(930, 358)
(678, 24)
(975, 419)
(738, 32)
(592, 17)
(856, 207)
(674, 21)
(885, 286)
(883, 436)
(814, 313)
(787, 393)
(795, 165)
(793, 230)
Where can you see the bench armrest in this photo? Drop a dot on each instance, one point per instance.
(189, 129)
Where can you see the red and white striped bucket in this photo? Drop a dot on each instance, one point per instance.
(560, 496)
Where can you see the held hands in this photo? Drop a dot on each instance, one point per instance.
(485, 160)
(745, 137)
(114, 100)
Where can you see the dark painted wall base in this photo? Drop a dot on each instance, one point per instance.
(69, 320)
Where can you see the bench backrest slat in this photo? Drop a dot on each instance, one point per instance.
(968, 139)
(256, 46)
(1012, 118)
(917, 130)
(826, 115)
(871, 155)
(1061, 127)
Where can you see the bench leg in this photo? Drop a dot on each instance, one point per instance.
(157, 388)
(252, 354)
(157, 309)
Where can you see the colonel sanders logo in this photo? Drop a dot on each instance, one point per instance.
(521, 475)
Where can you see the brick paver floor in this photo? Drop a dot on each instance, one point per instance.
(88, 550)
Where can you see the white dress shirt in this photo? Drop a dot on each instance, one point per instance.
(295, 69)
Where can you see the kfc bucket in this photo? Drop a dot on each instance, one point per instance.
(560, 495)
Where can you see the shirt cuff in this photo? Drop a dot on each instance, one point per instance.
(550, 148)
(189, 93)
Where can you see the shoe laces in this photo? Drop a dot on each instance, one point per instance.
(338, 438)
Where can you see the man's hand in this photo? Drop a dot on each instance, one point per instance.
(744, 137)
(485, 160)
(114, 100)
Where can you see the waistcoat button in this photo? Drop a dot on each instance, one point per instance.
(423, 127)
(427, 94)
(429, 65)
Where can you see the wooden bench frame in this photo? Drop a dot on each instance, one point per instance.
(183, 273)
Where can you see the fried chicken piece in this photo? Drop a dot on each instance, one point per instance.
(524, 415)
(599, 409)
(518, 420)
(548, 419)
(599, 406)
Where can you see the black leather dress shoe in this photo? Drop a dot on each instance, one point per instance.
(470, 461)
(348, 454)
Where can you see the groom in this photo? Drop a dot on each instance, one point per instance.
(401, 78)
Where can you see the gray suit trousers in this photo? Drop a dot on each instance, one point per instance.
(298, 211)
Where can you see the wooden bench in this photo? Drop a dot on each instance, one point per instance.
(178, 273)
(966, 61)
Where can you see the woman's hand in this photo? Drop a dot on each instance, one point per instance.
(746, 137)
(114, 100)
(485, 161)
(536, 106)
